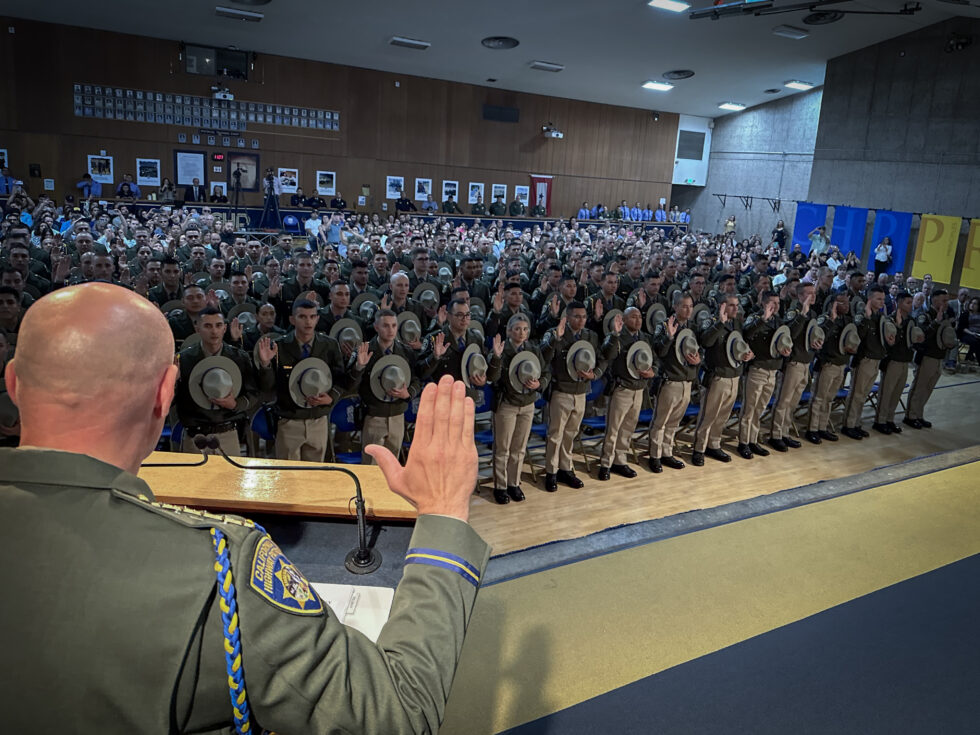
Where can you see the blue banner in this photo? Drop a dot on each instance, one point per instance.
(850, 227)
(808, 217)
(897, 226)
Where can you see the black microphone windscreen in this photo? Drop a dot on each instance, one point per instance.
(213, 442)
(200, 441)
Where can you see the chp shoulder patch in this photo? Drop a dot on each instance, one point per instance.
(279, 582)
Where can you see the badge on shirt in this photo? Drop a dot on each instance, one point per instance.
(278, 580)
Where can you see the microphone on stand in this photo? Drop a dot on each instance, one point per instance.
(363, 559)
(200, 441)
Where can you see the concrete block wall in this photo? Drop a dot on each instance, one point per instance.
(900, 125)
(765, 151)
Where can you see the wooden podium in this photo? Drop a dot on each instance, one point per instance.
(218, 486)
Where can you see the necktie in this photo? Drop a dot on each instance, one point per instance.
(462, 344)
(388, 351)
(305, 351)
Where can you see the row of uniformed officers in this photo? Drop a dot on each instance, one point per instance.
(721, 345)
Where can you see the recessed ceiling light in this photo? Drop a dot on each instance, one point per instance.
(733, 106)
(790, 32)
(802, 86)
(675, 6)
(500, 43)
(675, 74)
(658, 86)
(823, 17)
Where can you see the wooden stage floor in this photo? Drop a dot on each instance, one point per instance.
(543, 517)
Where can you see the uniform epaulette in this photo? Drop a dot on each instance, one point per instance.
(191, 517)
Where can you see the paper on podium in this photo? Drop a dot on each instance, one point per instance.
(363, 608)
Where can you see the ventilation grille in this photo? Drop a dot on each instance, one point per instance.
(411, 43)
(547, 66)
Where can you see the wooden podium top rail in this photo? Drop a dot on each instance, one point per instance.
(218, 486)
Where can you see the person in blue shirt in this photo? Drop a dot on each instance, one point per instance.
(660, 215)
(647, 214)
(624, 211)
(686, 217)
(133, 188)
(636, 213)
(584, 212)
(88, 187)
(430, 205)
(598, 211)
(6, 182)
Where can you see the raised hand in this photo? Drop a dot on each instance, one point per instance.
(498, 298)
(439, 345)
(833, 309)
(386, 301)
(723, 312)
(671, 326)
(555, 306)
(641, 298)
(212, 298)
(363, 355)
(268, 351)
(498, 345)
(440, 474)
(618, 323)
(598, 309)
(275, 286)
(868, 311)
(560, 329)
(235, 329)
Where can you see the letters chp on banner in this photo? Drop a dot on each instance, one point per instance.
(936, 248)
(808, 217)
(850, 227)
(970, 275)
(897, 226)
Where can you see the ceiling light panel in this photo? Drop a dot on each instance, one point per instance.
(658, 86)
(674, 6)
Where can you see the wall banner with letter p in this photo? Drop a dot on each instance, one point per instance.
(970, 275)
(936, 248)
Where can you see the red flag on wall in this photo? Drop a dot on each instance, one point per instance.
(541, 187)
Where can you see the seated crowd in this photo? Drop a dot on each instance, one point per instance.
(546, 325)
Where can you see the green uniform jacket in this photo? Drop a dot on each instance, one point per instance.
(503, 391)
(663, 347)
(451, 363)
(872, 346)
(372, 405)
(615, 348)
(346, 375)
(478, 209)
(113, 622)
(517, 208)
(193, 416)
(714, 340)
(556, 349)
(498, 209)
(830, 353)
(758, 333)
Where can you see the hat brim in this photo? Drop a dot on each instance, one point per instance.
(515, 364)
(468, 354)
(582, 344)
(403, 318)
(218, 362)
(379, 367)
(634, 350)
(679, 338)
(425, 287)
(172, 305)
(848, 329)
(607, 320)
(346, 323)
(361, 298)
(655, 315)
(296, 375)
(241, 309)
(782, 331)
(734, 337)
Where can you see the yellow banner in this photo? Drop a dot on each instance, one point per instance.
(936, 248)
(970, 277)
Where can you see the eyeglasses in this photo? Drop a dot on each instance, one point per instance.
(462, 315)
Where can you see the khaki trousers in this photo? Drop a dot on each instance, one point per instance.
(565, 414)
(892, 384)
(302, 439)
(624, 410)
(862, 381)
(227, 439)
(759, 385)
(672, 401)
(794, 382)
(511, 429)
(828, 382)
(716, 409)
(386, 431)
(925, 379)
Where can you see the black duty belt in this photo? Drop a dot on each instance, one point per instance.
(212, 428)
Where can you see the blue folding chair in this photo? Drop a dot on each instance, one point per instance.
(291, 223)
(342, 417)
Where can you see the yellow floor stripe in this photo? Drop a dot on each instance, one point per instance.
(545, 642)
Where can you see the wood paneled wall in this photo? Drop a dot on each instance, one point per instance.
(420, 128)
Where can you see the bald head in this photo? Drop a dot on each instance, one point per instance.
(99, 357)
